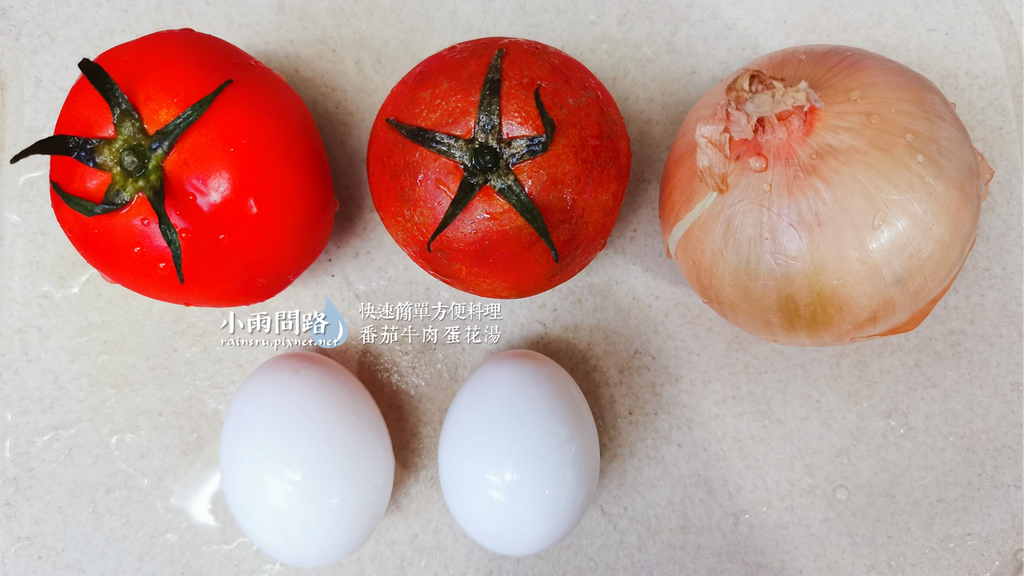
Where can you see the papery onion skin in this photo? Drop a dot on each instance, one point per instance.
(851, 226)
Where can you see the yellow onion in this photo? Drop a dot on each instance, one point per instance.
(822, 195)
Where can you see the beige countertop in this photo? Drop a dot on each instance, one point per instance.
(721, 454)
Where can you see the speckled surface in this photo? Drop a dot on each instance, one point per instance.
(721, 454)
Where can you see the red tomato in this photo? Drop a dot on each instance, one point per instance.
(499, 165)
(246, 186)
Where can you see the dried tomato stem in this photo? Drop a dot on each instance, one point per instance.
(487, 158)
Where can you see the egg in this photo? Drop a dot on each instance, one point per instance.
(306, 460)
(518, 456)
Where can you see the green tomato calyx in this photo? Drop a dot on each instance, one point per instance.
(133, 157)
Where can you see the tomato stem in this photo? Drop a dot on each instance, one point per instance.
(133, 157)
(133, 160)
(487, 157)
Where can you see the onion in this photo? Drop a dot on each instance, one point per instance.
(822, 195)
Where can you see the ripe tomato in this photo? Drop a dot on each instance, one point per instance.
(220, 203)
(499, 165)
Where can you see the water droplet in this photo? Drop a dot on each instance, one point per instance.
(162, 266)
(874, 119)
(144, 221)
(443, 186)
(898, 421)
(223, 237)
(802, 56)
(909, 137)
(704, 300)
(190, 197)
(920, 158)
(814, 156)
(879, 220)
(758, 163)
(1019, 555)
(855, 96)
(185, 233)
(766, 187)
(138, 249)
(840, 493)
(892, 109)
(953, 105)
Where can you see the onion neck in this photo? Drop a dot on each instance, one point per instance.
(757, 106)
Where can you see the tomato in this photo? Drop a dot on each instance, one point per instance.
(189, 172)
(499, 166)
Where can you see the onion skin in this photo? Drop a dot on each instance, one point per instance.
(857, 223)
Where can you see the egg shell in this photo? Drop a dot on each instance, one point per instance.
(306, 461)
(518, 455)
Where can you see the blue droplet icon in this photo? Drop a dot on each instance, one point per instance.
(336, 330)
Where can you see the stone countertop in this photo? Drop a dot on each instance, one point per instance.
(721, 454)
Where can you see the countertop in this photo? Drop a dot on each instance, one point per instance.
(721, 454)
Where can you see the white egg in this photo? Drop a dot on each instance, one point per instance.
(306, 460)
(518, 456)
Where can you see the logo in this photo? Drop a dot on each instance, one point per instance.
(335, 331)
(289, 328)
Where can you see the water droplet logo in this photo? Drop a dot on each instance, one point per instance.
(336, 330)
